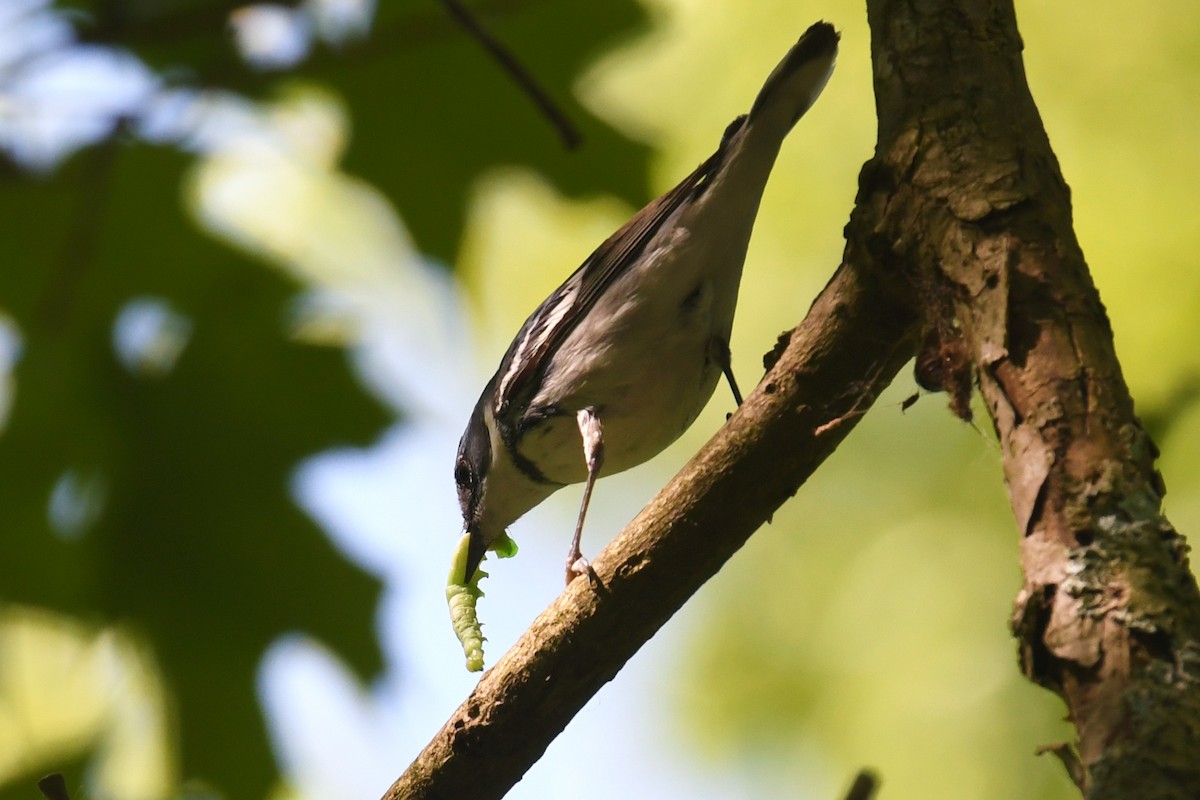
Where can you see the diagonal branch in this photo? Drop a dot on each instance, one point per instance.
(855, 339)
(962, 213)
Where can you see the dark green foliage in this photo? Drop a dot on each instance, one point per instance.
(198, 545)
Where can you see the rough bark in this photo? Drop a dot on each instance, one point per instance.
(964, 216)
(969, 199)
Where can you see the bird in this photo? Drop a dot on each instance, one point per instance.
(621, 358)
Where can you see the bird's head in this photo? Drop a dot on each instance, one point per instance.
(471, 467)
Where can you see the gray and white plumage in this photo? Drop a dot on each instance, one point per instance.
(636, 338)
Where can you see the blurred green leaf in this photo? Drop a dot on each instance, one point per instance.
(196, 543)
(181, 526)
(436, 111)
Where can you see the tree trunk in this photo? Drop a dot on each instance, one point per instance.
(960, 250)
(967, 199)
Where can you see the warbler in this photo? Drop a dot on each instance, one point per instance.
(621, 358)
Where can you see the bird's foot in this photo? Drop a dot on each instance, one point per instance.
(578, 566)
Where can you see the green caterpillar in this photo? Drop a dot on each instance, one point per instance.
(462, 595)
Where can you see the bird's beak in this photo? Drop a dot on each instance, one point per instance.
(476, 548)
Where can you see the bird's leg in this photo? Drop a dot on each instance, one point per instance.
(719, 351)
(593, 456)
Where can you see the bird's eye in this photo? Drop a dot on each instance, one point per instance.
(462, 473)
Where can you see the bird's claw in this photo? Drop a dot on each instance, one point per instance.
(579, 566)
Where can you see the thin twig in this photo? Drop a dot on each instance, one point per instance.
(571, 138)
(864, 786)
(1070, 760)
(82, 237)
(54, 787)
(859, 408)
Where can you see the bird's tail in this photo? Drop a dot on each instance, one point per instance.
(795, 84)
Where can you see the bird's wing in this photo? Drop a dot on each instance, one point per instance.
(523, 366)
